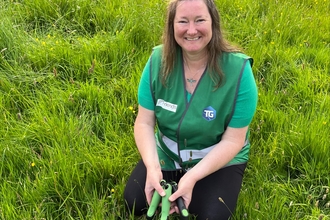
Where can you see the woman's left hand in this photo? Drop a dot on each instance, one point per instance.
(185, 188)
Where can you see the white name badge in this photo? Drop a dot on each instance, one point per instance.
(166, 105)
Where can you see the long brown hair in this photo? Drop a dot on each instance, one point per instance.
(217, 45)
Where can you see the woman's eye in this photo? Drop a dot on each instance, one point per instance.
(200, 20)
(182, 22)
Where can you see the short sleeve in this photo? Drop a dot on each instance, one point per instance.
(246, 102)
(144, 93)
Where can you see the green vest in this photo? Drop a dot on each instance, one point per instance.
(186, 130)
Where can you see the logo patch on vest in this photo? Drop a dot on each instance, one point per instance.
(209, 113)
(166, 105)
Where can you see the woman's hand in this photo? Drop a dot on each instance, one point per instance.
(153, 183)
(185, 189)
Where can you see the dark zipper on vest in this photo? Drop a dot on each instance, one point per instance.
(178, 135)
(184, 113)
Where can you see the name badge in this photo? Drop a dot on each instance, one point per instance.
(166, 105)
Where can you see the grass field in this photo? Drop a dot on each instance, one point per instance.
(69, 72)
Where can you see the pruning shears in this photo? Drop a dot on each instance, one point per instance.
(166, 204)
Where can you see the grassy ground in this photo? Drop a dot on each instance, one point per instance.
(69, 72)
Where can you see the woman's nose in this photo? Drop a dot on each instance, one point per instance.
(191, 29)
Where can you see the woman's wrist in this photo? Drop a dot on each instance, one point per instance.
(153, 166)
(192, 176)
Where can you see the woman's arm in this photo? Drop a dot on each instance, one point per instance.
(231, 143)
(144, 133)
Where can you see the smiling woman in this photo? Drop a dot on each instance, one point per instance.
(208, 84)
(66, 140)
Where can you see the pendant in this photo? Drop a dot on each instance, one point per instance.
(191, 81)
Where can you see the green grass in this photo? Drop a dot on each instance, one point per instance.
(69, 72)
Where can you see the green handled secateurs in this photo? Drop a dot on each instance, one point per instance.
(156, 199)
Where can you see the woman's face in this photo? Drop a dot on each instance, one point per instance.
(192, 26)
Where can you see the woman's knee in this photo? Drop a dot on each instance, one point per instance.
(135, 201)
(134, 191)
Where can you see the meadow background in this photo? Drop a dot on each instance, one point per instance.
(69, 72)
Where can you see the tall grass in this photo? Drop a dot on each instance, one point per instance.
(69, 72)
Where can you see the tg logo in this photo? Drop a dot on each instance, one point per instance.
(209, 113)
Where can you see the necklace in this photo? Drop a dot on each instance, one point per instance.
(191, 80)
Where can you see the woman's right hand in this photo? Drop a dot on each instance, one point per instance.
(154, 177)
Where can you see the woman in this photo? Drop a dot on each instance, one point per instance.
(201, 93)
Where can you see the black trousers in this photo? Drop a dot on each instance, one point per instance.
(213, 198)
